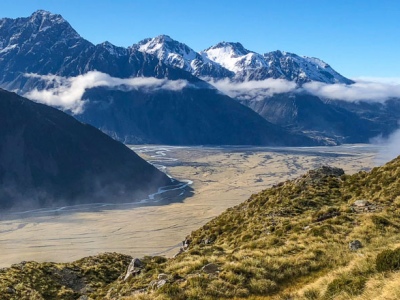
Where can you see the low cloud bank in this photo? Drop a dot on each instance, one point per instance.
(364, 89)
(361, 90)
(253, 90)
(66, 92)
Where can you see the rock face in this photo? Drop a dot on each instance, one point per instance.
(49, 158)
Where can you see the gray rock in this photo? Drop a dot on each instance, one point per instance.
(83, 297)
(156, 284)
(179, 252)
(361, 203)
(186, 243)
(210, 269)
(137, 263)
(138, 292)
(355, 245)
(134, 268)
(10, 290)
(162, 276)
(161, 283)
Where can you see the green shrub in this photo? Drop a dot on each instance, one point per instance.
(388, 260)
(311, 294)
(262, 286)
(380, 222)
(350, 285)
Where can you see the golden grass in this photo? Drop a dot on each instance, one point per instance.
(286, 242)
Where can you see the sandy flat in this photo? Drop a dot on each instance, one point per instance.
(222, 178)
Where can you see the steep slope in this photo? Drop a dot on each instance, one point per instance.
(179, 55)
(233, 61)
(248, 65)
(192, 116)
(325, 235)
(331, 121)
(48, 158)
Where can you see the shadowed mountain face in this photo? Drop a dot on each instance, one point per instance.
(49, 158)
(333, 121)
(188, 117)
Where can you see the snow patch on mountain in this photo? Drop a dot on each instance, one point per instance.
(234, 57)
(179, 55)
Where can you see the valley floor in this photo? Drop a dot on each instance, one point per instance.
(222, 177)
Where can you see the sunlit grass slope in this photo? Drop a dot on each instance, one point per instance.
(291, 241)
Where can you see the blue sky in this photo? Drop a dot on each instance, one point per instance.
(356, 37)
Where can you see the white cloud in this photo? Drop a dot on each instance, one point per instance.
(253, 90)
(364, 89)
(387, 80)
(361, 90)
(390, 147)
(66, 92)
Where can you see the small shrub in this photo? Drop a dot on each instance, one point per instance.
(350, 285)
(262, 286)
(380, 222)
(311, 294)
(172, 290)
(388, 260)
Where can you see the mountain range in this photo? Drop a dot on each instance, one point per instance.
(233, 61)
(46, 45)
(48, 158)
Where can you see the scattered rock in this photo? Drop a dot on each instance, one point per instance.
(134, 268)
(156, 284)
(210, 269)
(161, 283)
(10, 290)
(355, 245)
(137, 263)
(324, 171)
(361, 203)
(83, 297)
(137, 292)
(162, 276)
(179, 252)
(327, 215)
(360, 206)
(208, 241)
(186, 243)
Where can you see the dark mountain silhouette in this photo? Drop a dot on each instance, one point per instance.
(48, 158)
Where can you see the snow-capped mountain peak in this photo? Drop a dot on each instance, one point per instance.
(301, 69)
(168, 50)
(233, 49)
(234, 57)
(181, 56)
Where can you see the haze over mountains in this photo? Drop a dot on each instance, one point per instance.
(48, 158)
(194, 101)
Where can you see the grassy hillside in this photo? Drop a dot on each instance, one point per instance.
(291, 241)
